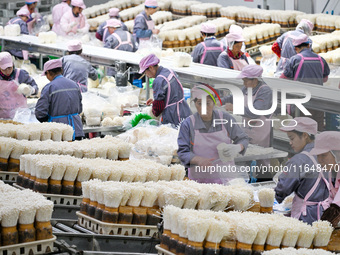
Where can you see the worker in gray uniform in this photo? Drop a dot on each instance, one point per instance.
(102, 32)
(284, 48)
(118, 40)
(22, 16)
(311, 187)
(233, 57)
(144, 26)
(327, 149)
(168, 92)
(306, 66)
(200, 136)
(208, 51)
(261, 99)
(60, 100)
(76, 68)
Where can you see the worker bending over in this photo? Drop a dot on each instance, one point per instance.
(168, 92)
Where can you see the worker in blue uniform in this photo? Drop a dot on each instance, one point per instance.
(60, 100)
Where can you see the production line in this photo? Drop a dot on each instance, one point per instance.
(160, 151)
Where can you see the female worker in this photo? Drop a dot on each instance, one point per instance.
(327, 149)
(200, 135)
(168, 92)
(235, 29)
(208, 51)
(233, 57)
(261, 100)
(73, 21)
(57, 12)
(311, 187)
(284, 48)
(13, 95)
(60, 99)
(22, 16)
(34, 15)
(144, 26)
(102, 32)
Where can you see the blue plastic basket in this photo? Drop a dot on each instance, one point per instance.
(187, 93)
(138, 83)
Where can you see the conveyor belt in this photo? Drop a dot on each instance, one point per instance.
(76, 240)
(325, 99)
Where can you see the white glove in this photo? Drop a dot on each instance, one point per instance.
(25, 89)
(82, 30)
(73, 24)
(33, 15)
(232, 150)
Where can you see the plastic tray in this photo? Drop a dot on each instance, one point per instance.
(104, 228)
(162, 251)
(8, 176)
(59, 199)
(36, 247)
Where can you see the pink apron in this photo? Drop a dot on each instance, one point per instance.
(335, 190)
(238, 64)
(299, 205)
(10, 100)
(205, 145)
(168, 79)
(24, 52)
(210, 49)
(303, 59)
(128, 41)
(258, 135)
(106, 30)
(149, 23)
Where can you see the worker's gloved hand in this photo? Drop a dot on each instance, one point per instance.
(25, 89)
(73, 24)
(332, 214)
(155, 31)
(232, 150)
(83, 30)
(33, 15)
